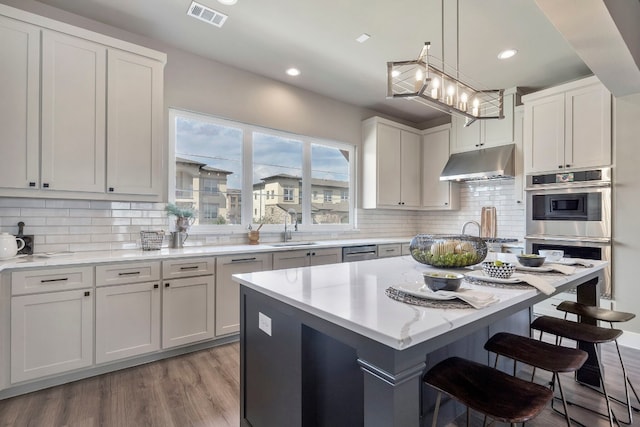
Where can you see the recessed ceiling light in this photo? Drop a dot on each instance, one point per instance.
(293, 72)
(228, 2)
(507, 53)
(363, 38)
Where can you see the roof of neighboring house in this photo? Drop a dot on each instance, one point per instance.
(202, 166)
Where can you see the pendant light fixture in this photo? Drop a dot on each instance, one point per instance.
(429, 81)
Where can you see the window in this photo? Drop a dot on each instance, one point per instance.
(288, 194)
(220, 164)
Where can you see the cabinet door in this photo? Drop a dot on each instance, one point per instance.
(464, 138)
(188, 310)
(588, 127)
(20, 106)
(135, 137)
(499, 131)
(127, 320)
(228, 291)
(389, 160)
(410, 168)
(51, 333)
(544, 134)
(325, 256)
(436, 194)
(290, 259)
(73, 113)
(389, 250)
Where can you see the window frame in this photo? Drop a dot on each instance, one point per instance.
(246, 191)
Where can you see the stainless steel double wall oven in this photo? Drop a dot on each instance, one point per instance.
(571, 211)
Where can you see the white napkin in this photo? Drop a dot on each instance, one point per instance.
(538, 282)
(477, 299)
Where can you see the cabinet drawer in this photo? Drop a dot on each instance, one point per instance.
(134, 272)
(188, 267)
(406, 249)
(51, 279)
(389, 250)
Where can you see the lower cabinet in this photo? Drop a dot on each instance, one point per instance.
(228, 291)
(389, 250)
(188, 307)
(51, 333)
(306, 257)
(127, 320)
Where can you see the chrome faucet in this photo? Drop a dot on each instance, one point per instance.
(464, 226)
(287, 233)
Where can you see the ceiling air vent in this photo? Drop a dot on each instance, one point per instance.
(206, 14)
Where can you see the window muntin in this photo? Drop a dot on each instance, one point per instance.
(218, 160)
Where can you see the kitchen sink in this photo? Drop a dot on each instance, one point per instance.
(279, 245)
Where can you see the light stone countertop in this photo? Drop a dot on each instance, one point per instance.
(352, 295)
(132, 255)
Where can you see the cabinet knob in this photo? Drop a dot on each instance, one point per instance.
(32, 184)
(166, 285)
(446, 203)
(313, 254)
(560, 166)
(45, 185)
(87, 293)
(155, 286)
(111, 189)
(568, 166)
(308, 253)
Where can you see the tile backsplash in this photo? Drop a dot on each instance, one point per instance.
(85, 225)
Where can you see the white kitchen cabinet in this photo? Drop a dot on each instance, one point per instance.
(436, 194)
(128, 314)
(51, 331)
(127, 320)
(188, 302)
(306, 257)
(389, 250)
(134, 126)
(568, 127)
(392, 170)
(228, 291)
(20, 106)
(485, 133)
(73, 113)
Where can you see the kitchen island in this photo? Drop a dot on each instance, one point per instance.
(325, 345)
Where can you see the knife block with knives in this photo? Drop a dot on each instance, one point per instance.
(28, 240)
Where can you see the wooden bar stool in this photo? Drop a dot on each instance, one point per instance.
(590, 334)
(487, 390)
(611, 317)
(538, 354)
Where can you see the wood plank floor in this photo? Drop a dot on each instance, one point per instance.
(202, 389)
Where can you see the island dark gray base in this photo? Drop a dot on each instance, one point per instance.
(310, 372)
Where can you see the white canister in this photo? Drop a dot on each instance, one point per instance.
(9, 245)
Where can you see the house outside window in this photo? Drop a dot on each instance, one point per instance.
(328, 195)
(288, 194)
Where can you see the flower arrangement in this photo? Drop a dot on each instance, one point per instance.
(184, 216)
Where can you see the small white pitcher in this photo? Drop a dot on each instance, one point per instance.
(9, 245)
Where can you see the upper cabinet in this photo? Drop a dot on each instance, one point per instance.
(567, 127)
(85, 112)
(436, 194)
(485, 133)
(391, 165)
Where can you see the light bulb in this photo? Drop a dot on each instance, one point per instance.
(463, 101)
(419, 80)
(435, 84)
(450, 92)
(476, 107)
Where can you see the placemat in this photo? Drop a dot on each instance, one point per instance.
(475, 281)
(398, 295)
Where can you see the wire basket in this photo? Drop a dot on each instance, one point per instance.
(151, 240)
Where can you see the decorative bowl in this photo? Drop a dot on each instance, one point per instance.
(498, 269)
(531, 260)
(442, 280)
(552, 255)
(448, 250)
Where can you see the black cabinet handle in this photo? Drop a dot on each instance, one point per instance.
(166, 285)
(191, 267)
(446, 203)
(313, 254)
(568, 166)
(244, 259)
(32, 184)
(54, 280)
(45, 185)
(111, 189)
(155, 286)
(87, 293)
(560, 166)
(130, 273)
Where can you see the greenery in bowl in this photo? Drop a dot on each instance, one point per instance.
(448, 251)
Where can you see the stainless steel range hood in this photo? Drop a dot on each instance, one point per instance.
(487, 163)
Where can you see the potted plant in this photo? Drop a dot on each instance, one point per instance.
(184, 216)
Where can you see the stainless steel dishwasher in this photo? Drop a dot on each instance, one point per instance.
(359, 253)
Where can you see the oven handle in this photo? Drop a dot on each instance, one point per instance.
(600, 240)
(567, 186)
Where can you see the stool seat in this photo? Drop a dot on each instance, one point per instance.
(575, 331)
(594, 312)
(487, 390)
(536, 353)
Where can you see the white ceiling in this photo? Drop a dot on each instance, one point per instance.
(318, 37)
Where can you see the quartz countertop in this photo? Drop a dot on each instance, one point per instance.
(93, 257)
(352, 295)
